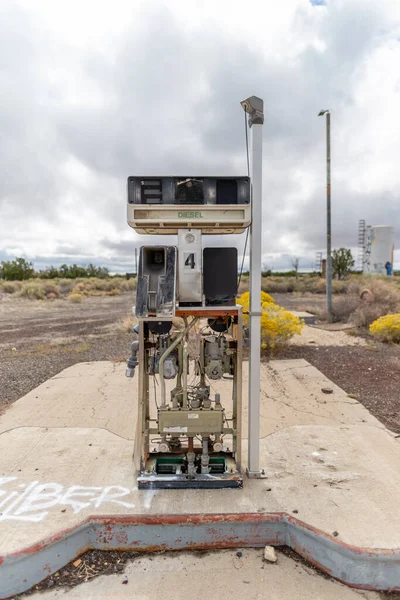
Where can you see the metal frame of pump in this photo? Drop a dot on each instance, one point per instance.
(181, 441)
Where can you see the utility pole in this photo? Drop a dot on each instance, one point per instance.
(255, 108)
(329, 308)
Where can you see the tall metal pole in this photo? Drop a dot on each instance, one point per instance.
(329, 308)
(255, 108)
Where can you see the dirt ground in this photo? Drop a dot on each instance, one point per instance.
(40, 338)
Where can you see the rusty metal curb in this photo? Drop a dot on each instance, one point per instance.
(364, 568)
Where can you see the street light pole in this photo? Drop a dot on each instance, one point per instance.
(254, 106)
(329, 308)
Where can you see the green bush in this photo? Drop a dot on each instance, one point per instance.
(16, 270)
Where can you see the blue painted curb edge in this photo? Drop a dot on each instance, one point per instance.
(364, 568)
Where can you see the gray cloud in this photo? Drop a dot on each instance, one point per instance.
(76, 122)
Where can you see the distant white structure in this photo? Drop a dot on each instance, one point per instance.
(378, 249)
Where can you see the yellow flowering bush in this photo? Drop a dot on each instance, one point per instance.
(387, 328)
(244, 300)
(277, 324)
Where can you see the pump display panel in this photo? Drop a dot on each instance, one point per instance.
(211, 204)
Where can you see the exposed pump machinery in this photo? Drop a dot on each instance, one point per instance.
(189, 346)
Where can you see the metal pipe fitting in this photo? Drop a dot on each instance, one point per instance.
(166, 354)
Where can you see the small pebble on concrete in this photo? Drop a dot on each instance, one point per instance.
(270, 554)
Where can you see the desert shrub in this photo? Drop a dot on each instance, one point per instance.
(303, 284)
(382, 298)
(114, 292)
(65, 286)
(339, 286)
(51, 289)
(75, 297)
(103, 285)
(343, 307)
(123, 285)
(132, 283)
(33, 290)
(387, 328)
(277, 326)
(127, 324)
(278, 285)
(10, 287)
(319, 286)
(79, 288)
(90, 286)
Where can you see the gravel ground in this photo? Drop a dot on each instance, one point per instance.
(371, 372)
(27, 368)
(40, 339)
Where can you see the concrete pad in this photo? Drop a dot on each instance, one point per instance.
(321, 336)
(99, 395)
(356, 472)
(218, 574)
(305, 316)
(94, 394)
(330, 464)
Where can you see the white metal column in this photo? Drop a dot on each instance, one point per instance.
(255, 107)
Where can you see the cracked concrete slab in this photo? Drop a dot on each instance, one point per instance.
(66, 455)
(98, 394)
(94, 394)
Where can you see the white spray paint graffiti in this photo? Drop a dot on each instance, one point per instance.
(32, 501)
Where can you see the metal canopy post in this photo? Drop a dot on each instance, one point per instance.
(255, 108)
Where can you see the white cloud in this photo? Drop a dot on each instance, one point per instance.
(94, 92)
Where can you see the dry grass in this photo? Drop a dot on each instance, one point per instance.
(10, 287)
(303, 284)
(33, 290)
(51, 348)
(76, 298)
(365, 300)
(383, 298)
(343, 309)
(50, 289)
(127, 324)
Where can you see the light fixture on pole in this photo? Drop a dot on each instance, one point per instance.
(328, 216)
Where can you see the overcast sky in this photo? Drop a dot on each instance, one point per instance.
(91, 92)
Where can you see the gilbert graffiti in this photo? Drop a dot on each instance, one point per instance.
(31, 501)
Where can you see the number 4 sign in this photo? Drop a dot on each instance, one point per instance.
(190, 261)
